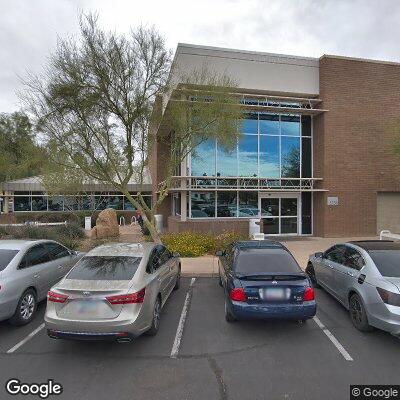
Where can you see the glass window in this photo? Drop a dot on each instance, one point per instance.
(202, 204)
(305, 125)
(288, 225)
(203, 160)
(128, 205)
(306, 157)
(248, 204)
(39, 203)
(270, 207)
(110, 268)
(290, 125)
(248, 155)
(271, 226)
(55, 203)
(115, 202)
(22, 203)
(70, 203)
(269, 124)
(269, 157)
(289, 207)
(176, 204)
(57, 251)
(335, 254)
(306, 213)
(387, 262)
(353, 259)
(266, 261)
(290, 157)
(6, 257)
(226, 162)
(226, 204)
(250, 124)
(34, 256)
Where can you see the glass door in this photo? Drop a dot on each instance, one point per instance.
(280, 214)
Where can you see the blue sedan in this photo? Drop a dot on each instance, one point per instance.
(262, 280)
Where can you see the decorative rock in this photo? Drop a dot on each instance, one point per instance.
(106, 225)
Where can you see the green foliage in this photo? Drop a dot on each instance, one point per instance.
(70, 235)
(191, 244)
(21, 156)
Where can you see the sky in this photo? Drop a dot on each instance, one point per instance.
(356, 28)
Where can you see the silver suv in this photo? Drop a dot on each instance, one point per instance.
(28, 269)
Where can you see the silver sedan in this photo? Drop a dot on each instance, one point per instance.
(28, 269)
(116, 292)
(365, 277)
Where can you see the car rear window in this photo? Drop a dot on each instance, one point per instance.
(266, 261)
(5, 257)
(387, 262)
(113, 268)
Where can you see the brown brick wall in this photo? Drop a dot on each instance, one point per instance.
(353, 143)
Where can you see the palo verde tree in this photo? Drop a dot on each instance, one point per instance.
(94, 103)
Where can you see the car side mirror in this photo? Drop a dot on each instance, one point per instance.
(220, 253)
(319, 254)
(176, 254)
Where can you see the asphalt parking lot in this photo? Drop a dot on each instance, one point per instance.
(210, 359)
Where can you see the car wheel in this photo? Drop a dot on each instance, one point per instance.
(155, 323)
(178, 280)
(229, 317)
(26, 308)
(358, 315)
(311, 273)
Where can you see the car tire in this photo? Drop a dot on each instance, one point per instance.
(26, 308)
(178, 280)
(311, 274)
(155, 323)
(358, 314)
(229, 317)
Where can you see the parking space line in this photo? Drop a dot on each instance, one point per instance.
(26, 339)
(332, 338)
(181, 325)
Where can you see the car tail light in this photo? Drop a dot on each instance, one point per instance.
(390, 298)
(309, 294)
(238, 294)
(130, 298)
(56, 297)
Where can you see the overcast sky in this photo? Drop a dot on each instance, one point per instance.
(358, 28)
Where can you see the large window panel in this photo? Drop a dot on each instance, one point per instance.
(39, 203)
(56, 203)
(203, 159)
(269, 124)
(269, 157)
(226, 161)
(248, 204)
(290, 125)
(290, 157)
(248, 155)
(202, 204)
(22, 203)
(306, 157)
(249, 124)
(305, 125)
(226, 204)
(306, 208)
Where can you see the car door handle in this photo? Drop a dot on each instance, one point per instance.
(349, 273)
(36, 276)
(60, 267)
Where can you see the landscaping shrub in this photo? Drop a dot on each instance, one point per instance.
(189, 244)
(224, 239)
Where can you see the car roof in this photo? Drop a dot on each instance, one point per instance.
(370, 245)
(258, 244)
(121, 249)
(19, 244)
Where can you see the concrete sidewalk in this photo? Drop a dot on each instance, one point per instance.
(301, 248)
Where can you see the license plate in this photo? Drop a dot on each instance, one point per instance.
(87, 307)
(275, 294)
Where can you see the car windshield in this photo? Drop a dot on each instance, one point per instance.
(116, 268)
(5, 257)
(387, 262)
(266, 262)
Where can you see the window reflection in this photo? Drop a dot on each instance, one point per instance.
(203, 161)
(226, 161)
(248, 204)
(248, 155)
(226, 204)
(290, 157)
(269, 156)
(269, 124)
(290, 125)
(203, 204)
(250, 124)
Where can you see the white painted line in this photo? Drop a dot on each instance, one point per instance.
(332, 338)
(23, 341)
(181, 325)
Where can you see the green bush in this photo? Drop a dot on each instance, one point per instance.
(190, 244)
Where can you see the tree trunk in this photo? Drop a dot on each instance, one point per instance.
(153, 231)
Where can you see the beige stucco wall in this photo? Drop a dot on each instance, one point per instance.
(388, 212)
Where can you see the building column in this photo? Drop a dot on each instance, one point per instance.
(184, 204)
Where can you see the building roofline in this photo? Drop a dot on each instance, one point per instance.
(367, 60)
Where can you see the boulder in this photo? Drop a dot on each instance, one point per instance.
(106, 225)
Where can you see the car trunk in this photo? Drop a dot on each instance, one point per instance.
(274, 289)
(87, 299)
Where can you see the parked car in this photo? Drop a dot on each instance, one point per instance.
(261, 279)
(365, 277)
(116, 291)
(28, 269)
